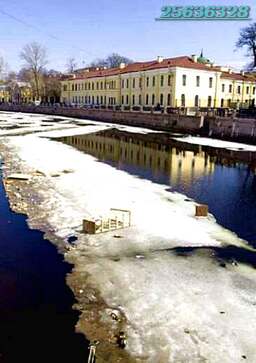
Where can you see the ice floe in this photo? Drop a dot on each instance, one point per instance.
(204, 141)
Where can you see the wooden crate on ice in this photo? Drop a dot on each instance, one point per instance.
(202, 210)
(117, 219)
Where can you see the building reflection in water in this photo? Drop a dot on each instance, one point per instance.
(160, 155)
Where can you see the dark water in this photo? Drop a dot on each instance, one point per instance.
(225, 180)
(36, 319)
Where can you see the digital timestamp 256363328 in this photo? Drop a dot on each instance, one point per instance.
(205, 13)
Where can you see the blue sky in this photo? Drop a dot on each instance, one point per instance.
(87, 30)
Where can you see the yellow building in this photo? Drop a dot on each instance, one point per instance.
(172, 82)
(5, 93)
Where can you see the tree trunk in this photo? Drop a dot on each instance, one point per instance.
(36, 84)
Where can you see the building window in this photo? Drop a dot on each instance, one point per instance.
(85, 86)
(183, 100)
(210, 82)
(230, 88)
(127, 83)
(101, 100)
(92, 85)
(122, 100)
(153, 81)
(210, 101)
(198, 81)
(222, 102)
(223, 87)
(97, 85)
(65, 88)
(162, 81)
(75, 87)
(139, 99)
(93, 100)
(153, 99)
(239, 90)
(196, 101)
(147, 81)
(97, 100)
(169, 80)
(247, 90)
(147, 99)
(122, 83)
(184, 80)
(133, 83)
(253, 91)
(140, 82)
(161, 99)
(133, 99)
(127, 100)
(169, 99)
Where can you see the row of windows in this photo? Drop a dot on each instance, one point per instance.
(125, 83)
(230, 89)
(184, 81)
(125, 99)
(90, 86)
(94, 100)
(112, 84)
(149, 82)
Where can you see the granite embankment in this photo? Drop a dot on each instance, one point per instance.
(228, 128)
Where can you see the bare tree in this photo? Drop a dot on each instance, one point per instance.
(71, 65)
(248, 39)
(35, 59)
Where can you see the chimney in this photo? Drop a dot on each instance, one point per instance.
(194, 58)
(159, 59)
(122, 65)
(242, 73)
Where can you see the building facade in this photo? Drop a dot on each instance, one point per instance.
(172, 82)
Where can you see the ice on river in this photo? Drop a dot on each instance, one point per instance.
(185, 309)
(216, 143)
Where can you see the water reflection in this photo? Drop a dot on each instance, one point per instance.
(224, 179)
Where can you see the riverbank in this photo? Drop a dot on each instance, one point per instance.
(223, 128)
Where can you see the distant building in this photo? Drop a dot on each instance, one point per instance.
(5, 93)
(172, 82)
(21, 92)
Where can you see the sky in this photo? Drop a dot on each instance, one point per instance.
(86, 30)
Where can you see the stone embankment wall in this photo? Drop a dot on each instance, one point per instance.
(229, 128)
(240, 129)
(159, 121)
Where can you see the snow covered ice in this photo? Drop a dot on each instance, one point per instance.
(178, 308)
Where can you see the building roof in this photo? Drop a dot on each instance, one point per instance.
(238, 76)
(183, 62)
